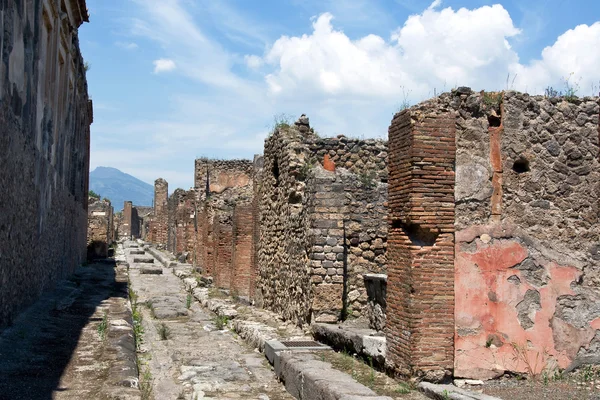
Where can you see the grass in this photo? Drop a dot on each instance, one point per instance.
(188, 301)
(138, 328)
(103, 326)
(146, 384)
(163, 331)
(221, 322)
(366, 374)
(151, 308)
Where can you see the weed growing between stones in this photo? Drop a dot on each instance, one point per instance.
(367, 375)
(138, 329)
(151, 308)
(188, 301)
(103, 325)
(221, 322)
(163, 331)
(146, 384)
(403, 388)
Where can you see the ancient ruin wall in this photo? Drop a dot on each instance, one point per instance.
(45, 115)
(283, 279)
(367, 158)
(100, 228)
(221, 174)
(159, 225)
(242, 236)
(527, 265)
(347, 216)
(320, 230)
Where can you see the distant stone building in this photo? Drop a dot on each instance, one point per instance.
(45, 117)
(101, 228)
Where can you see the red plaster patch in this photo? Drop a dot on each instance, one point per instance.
(481, 316)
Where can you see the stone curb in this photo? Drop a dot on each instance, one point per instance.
(363, 342)
(443, 392)
(123, 379)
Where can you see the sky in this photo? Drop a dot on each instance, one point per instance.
(174, 80)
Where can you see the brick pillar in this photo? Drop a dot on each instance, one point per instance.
(420, 289)
(242, 267)
(127, 221)
(208, 244)
(161, 190)
(222, 236)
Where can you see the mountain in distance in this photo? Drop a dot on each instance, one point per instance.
(119, 187)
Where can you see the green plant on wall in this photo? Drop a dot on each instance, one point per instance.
(368, 178)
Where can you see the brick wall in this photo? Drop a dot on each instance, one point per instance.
(420, 290)
(243, 270)
(161, 214)
(223, 236)
(127, 220)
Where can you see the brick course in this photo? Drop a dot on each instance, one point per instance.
(420, 290)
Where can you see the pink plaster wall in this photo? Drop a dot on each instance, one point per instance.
(487, 323)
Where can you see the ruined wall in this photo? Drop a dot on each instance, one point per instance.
(222, 247)
(159, 225)
(126, 225)
(221, 174)
(367, 158)
(283, 280)
(347, 216)
(45, 115)
(525, 261)
(242, 236)
(320, 230)
(420, 292)
(100, 228)
(528, 184)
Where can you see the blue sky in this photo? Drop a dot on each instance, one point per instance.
(173, 80)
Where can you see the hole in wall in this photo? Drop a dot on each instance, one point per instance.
(295, 198)
(494, 121)
(521, 166)
(417, 234)
(275, 171)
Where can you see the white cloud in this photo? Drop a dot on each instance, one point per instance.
(163, 65)
(253, 61)
(575, 56)
(466, 47)
(127, 45)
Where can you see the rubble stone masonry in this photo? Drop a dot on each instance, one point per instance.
(45, 115)
(524, 276)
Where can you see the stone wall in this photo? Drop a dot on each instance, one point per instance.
(100, 228)
(45, 114)
(525, 265)
(367, 158)
(348, 221)
(215, 176)
(283, 278)
(527, 234)
(320, 230)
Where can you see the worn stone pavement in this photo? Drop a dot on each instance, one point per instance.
(54, 349)
(196, 361)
